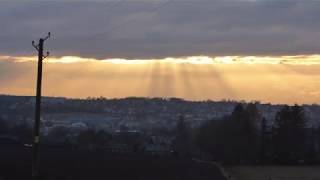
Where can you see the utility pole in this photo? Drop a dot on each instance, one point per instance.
(36, 127)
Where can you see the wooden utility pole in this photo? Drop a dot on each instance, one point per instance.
(36, 127)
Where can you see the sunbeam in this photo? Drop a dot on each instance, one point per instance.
(266, 79)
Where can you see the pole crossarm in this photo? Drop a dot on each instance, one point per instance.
(47, 37)
(48, 54)
(35, 46)
(38, 45)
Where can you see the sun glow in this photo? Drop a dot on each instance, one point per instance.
(275, 79)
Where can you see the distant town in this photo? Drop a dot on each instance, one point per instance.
(134, 113)
(169, 131)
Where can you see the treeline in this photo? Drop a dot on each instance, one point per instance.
(245, 137)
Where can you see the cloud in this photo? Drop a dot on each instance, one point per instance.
(273, 60)
(156, 29)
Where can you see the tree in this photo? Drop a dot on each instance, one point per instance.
(263, 140)
(238, 112)
(312, 154)
(289, 134)
(254, 117)
(244, 122)
(234, 138)
(216, 138)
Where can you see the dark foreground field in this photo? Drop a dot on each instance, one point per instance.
(58, 163)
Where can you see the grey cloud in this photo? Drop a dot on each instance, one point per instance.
(148, 29)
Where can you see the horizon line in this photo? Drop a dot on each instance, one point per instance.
(241, 101)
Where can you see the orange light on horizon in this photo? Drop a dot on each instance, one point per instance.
(285, 79)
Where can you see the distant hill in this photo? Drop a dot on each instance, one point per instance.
(134, 112)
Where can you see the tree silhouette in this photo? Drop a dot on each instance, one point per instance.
(263, 140)
(312, 152)
(289, 134)
(245, 126)
(234, 138)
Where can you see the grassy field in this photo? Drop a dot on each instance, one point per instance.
(66, 164)
(274, 172)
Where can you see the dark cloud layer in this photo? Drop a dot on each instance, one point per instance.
(148, 29)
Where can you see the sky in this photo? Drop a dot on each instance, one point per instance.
(265, 50)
